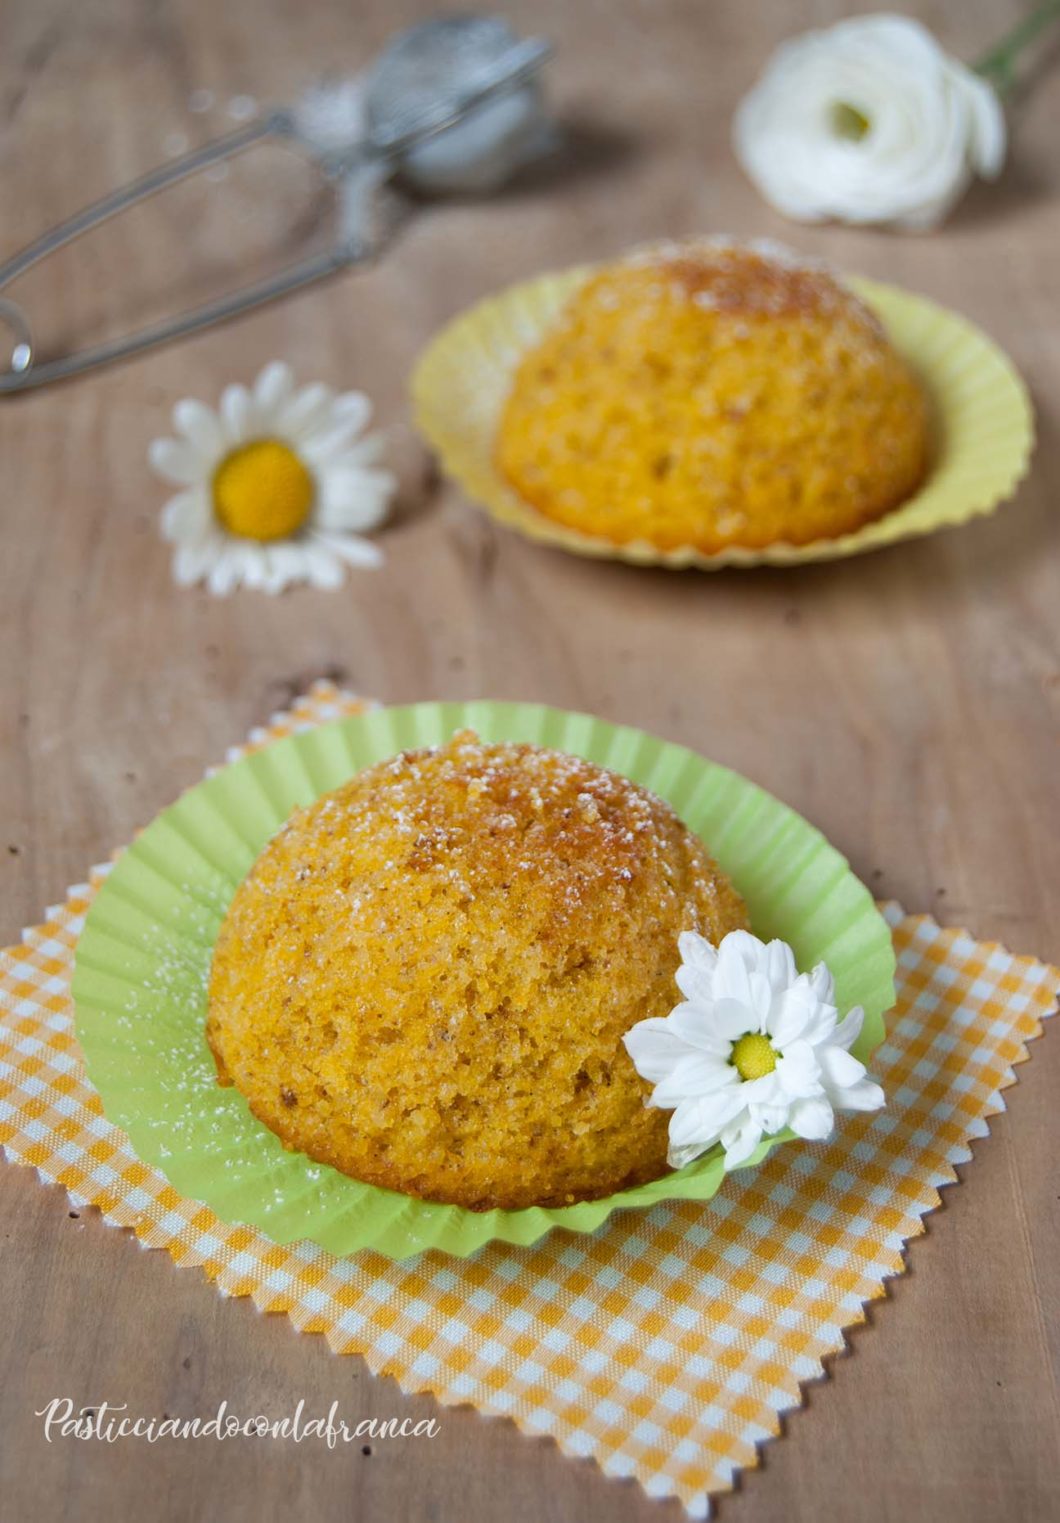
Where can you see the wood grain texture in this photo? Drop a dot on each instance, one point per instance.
(905, 702)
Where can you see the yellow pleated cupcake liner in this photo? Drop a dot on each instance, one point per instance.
(983, 420)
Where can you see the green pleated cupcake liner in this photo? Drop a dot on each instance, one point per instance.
(143, 960)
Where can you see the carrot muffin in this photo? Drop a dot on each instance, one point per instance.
(426, 977)
(713, 394)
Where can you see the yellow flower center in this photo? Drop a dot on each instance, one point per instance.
(753, 1056)
(849, 122)
(262, 491)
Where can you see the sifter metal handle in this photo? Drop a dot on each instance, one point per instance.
(385, 147)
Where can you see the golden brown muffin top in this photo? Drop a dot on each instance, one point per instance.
(710, 394)
(757, 277)
(426, 977)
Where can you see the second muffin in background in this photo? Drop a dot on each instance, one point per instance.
(714, 394)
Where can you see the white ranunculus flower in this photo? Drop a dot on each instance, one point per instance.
(868, 122)
(755, 1047)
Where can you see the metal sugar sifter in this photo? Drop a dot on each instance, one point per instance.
(452, 105)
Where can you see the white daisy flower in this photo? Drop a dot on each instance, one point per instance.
(755, 1047)
(275, 486)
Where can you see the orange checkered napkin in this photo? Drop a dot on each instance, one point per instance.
(667, 1344)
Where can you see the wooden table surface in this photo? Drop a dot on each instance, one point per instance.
(905, 702)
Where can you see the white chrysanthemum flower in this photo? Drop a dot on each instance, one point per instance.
(275, 486)
(869, 121)
(755, 1047)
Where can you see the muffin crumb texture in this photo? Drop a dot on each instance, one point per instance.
(426, 977)
(713, 394)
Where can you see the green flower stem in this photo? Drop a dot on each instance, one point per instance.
(999, 64)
